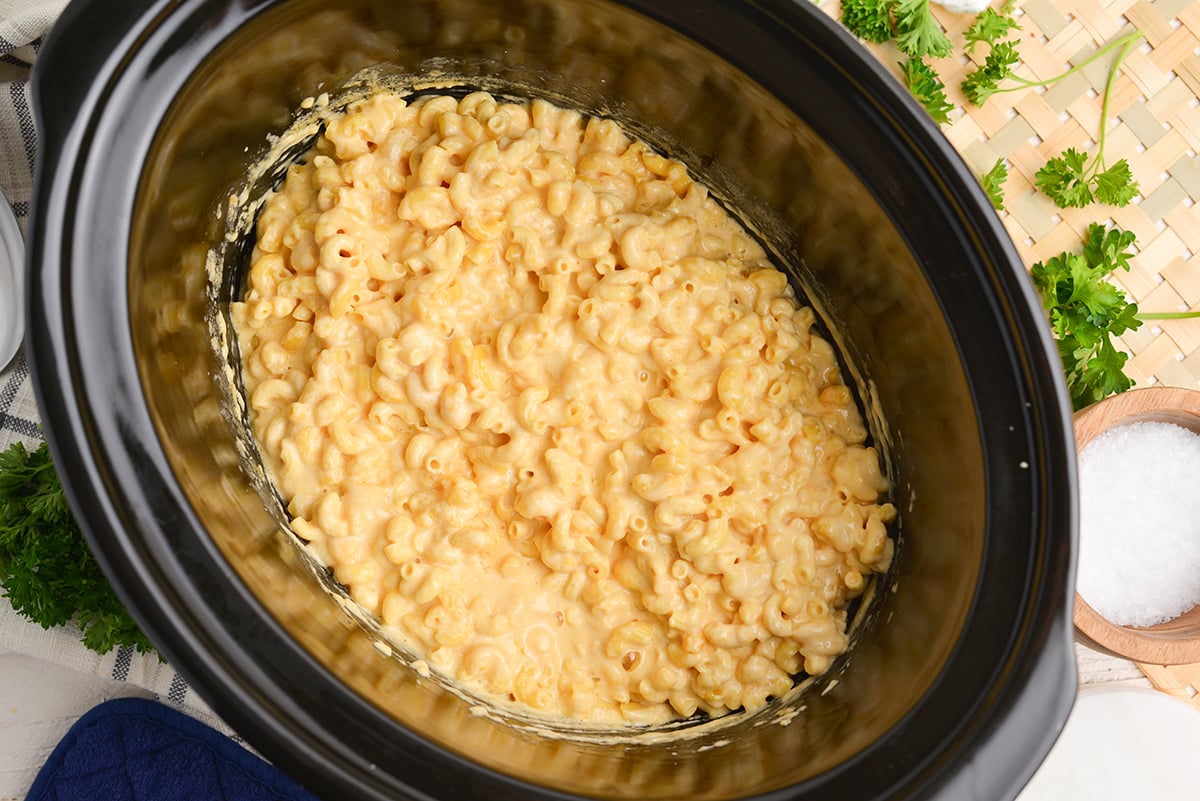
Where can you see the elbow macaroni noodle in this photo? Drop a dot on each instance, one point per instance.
(547, 412)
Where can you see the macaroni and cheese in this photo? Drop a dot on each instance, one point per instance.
(547, 412)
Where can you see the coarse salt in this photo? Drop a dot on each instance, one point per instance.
(1139, 497)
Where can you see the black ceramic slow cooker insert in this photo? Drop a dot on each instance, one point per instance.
(961, 671)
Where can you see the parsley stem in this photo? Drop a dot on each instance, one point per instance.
(1187, 315)
(1131, 39)
(1127, 41)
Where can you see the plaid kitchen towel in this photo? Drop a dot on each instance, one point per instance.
(22, 25)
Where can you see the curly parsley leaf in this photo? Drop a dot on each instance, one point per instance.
(910, 22)
(1086, 312)
(1065, 179)
(1115, 186)
(984, 81)
(47, 572)
(990, 26)
(918, 34)
(1108, 247)
(870, 20)
(1073, 181)
(927, 88)
(993, 183)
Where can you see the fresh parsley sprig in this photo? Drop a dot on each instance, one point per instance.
(46, 569)
(923, 81)
(990, 26)
(993, 183)
(1087, 311)
(917, 33)
(909, 22)
(870, 20)
(1071, 180)
(985, 80)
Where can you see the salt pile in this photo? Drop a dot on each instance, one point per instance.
(1139, 493)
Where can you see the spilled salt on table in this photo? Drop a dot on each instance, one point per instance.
(1139, 533)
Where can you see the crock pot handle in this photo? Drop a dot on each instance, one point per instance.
(72, 59)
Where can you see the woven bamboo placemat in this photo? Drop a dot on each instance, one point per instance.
(1154, 123)
(1180, 681)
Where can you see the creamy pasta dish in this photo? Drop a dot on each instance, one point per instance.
(550, 415)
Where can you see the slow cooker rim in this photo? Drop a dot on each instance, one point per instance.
(53, 349)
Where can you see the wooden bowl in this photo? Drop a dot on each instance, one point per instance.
(1172, 642)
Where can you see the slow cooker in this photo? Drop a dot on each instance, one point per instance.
(153, 112)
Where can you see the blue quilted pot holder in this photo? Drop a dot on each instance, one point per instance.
(130, 749)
